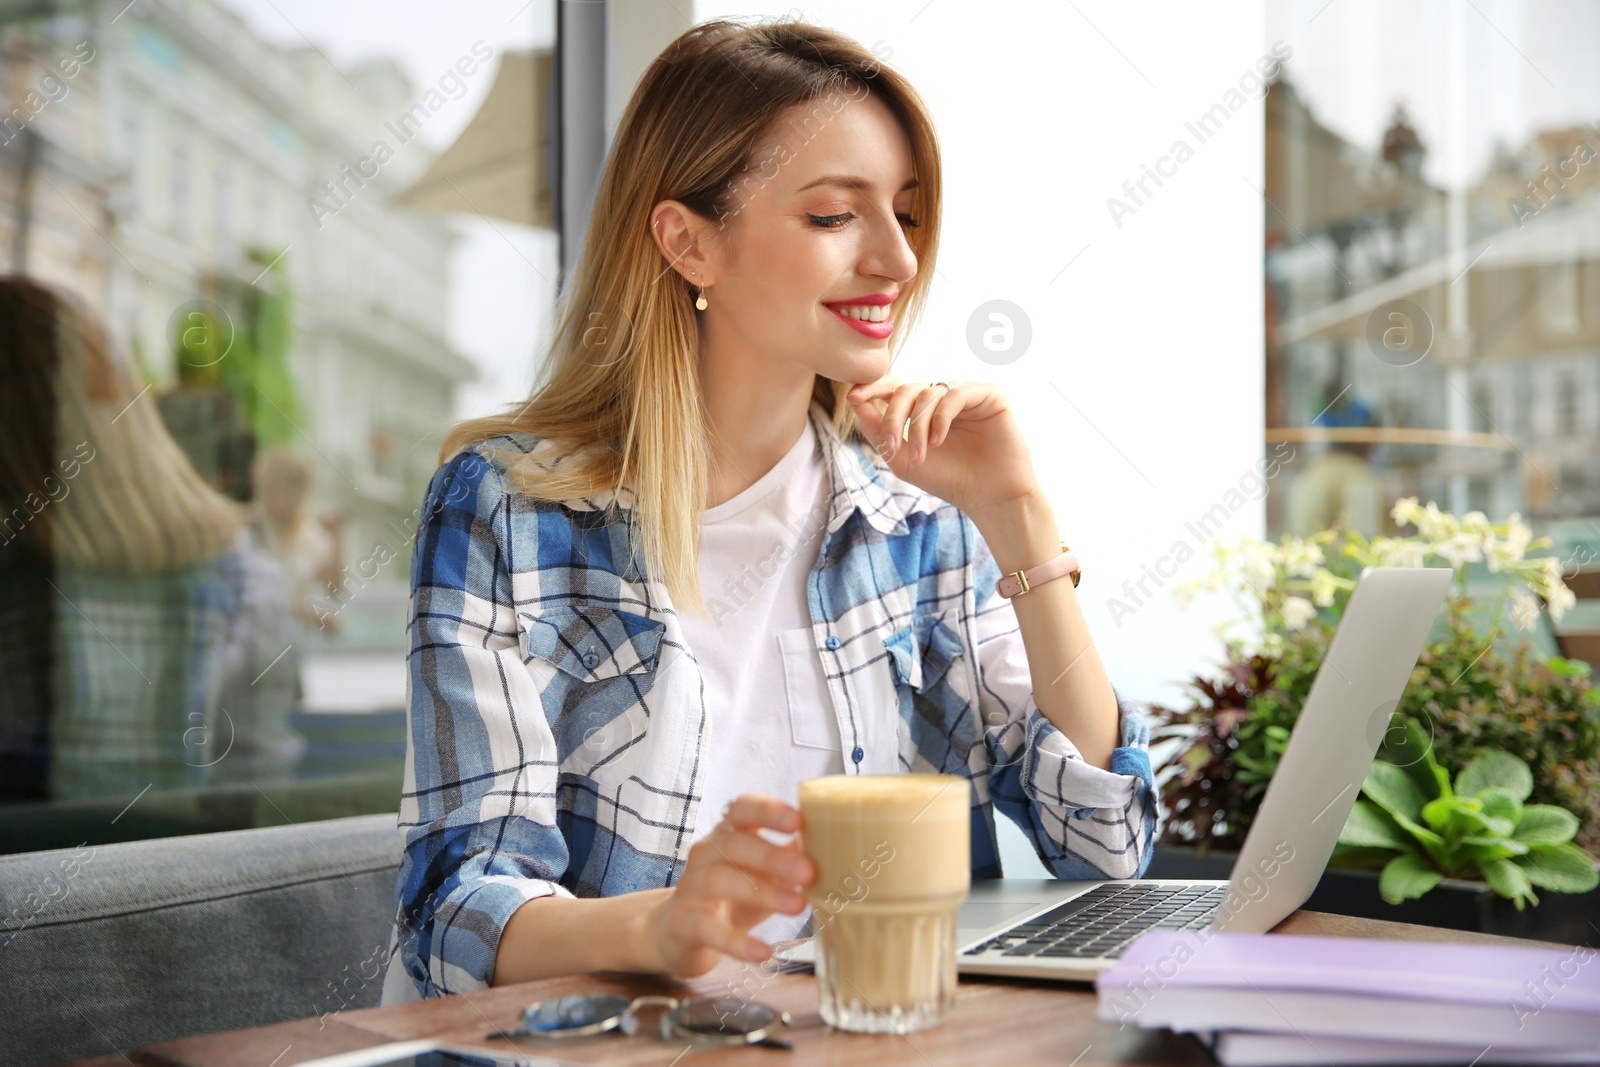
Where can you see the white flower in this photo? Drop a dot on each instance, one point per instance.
(1559, 598)
(1546, 581)
(1458, 549)
(1297, 611)
(1524, 608)
(1430, 522)
(1477, 522)
(1258, 565)
(1300, 558)
(1436, 525)
(1500, 555)
(1324, 585)
(1399, 552)
(1405, 510)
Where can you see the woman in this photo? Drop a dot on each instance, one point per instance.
(608, 719)
(307, 547)
(119, 571)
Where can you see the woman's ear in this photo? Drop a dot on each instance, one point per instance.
(677, 232)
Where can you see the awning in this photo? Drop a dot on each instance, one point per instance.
(500, 165)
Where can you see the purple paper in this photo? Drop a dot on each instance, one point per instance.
(1490, 975)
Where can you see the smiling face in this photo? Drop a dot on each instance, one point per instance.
(814, 241)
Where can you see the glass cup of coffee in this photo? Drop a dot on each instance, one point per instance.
(893, 865)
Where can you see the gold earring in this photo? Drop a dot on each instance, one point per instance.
(700, 301)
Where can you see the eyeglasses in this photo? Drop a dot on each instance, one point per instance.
(698, 1020)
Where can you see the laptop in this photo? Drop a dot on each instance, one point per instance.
(1072, 931)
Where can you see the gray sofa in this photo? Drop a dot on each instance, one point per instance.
(110, 946)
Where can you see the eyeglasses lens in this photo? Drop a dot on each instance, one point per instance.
(721, 1016)
(570, 1013)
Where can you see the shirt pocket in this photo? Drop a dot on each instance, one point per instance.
(923, 653)
(591, 643)
(811, 720)
(604, 662)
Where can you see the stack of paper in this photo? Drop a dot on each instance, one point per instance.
(1287, 1000)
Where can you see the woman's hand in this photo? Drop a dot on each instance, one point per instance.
(734, 879)
(964, 444)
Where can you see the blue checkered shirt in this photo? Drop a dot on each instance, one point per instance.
(558, 719)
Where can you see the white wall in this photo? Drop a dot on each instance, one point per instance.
(1154, 330)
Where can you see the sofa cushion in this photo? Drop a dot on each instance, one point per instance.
(112, 946)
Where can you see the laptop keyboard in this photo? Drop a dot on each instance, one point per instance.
(1101, 922)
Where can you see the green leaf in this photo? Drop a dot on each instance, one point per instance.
(1510, 880)
(1559, 868)
(1493, 768)
(1394, 791)
(1568, 668)
(1410, 749)
(1501, 804)
(1369, 826)
(1458, 816)
(1407, 877)
(1546, 824)
(1478, 848)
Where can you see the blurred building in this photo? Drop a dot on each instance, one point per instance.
(180, 158)
(1499, 408)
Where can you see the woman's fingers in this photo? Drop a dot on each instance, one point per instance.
(944, 412)
(929, 399)
(749, 853)
(738, 887)
(892, 427)
(757, 811)
(713, 931)
(734, 878)
(920, 414)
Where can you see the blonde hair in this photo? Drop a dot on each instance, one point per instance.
(132, 502)
(619, 391)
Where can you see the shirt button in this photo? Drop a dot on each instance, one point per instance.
(590, 659)
(858, 755)
(833, 642)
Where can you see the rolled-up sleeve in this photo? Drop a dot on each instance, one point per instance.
(1085, 822)
(478, 808)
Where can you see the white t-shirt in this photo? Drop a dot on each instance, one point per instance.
(771, 720)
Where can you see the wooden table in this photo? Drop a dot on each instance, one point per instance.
(1005, 1021)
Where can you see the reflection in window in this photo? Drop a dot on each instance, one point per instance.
(178, 163)
(1431, 238)
(211, 448)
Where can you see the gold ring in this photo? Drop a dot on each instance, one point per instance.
(943, 386)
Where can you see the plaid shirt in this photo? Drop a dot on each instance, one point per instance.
(558, 719)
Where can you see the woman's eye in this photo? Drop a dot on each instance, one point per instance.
(831, 222)
(834, 222)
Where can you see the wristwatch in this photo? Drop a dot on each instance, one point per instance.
(1018, 582)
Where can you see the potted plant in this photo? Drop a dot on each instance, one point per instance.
(1420, 827)
(1478, 685)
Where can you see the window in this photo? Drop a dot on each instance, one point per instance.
(1567, 400)
(179, 207)
(1561, 304)
(222, 213)
(137, 699)
(1450, 202)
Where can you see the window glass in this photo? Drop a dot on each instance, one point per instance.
(232, 336)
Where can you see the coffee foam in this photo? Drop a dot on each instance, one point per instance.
(930, 797)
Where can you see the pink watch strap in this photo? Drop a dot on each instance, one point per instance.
(1019, 582)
